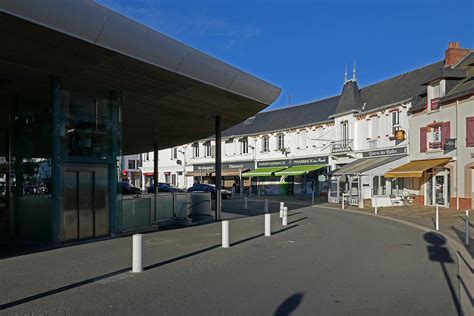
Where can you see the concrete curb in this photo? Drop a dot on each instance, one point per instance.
(464, 261)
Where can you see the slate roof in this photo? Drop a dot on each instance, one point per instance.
(350, 100)
(399, 88)
(290, 117)
(467, 84)
(404, 87)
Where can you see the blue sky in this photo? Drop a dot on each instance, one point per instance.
(302, 45)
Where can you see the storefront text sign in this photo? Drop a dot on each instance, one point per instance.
(293, 162)
(385, 152)
(231, 165)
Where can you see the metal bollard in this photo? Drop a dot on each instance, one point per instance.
(225, 234)
(266, 206)
(312, 198)
(245, 203)
(285, 216)
(437, 217)
(282, 205)
(466, 241)
(268, 224)
(137, 253)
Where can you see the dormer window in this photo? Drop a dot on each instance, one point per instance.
(435, 92)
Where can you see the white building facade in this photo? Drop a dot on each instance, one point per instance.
(346, 144)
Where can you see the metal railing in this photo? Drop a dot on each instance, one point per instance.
(340, 146)
(435, 145)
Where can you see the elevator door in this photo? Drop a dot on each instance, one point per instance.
(85, 207)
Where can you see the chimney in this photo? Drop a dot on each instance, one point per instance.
(454, 54)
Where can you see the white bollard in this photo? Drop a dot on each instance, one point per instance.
(266, 206)
(282, 205)
(245, 203)
(285, 216)
(137, 253)
(225, 234)
(375, 204)
(342, 200)
(466, 241)
(437, 217)
(268, 224)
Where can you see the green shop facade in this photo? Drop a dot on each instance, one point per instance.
(298, 177)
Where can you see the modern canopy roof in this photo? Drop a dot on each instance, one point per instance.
(171, 92)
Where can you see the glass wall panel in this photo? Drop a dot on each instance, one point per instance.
(31, 176)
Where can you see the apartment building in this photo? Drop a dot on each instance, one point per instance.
(352, 143)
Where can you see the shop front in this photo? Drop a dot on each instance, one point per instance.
(231, 175)
(297, 177)
(362, 182)
(429, 179)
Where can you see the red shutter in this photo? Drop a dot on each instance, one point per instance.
(470, 131)
(423, 132)
(445, 130)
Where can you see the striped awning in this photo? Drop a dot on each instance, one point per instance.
(262, 172)
(365, 164)
(415, 169)
(298, 170)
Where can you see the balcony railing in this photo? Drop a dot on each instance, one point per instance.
(340, 146)
(435, 145)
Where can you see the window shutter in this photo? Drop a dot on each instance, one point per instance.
(470, 131)
(423, 132)
(445, 132)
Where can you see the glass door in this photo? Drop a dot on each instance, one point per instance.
(437, 188)
(440, 189)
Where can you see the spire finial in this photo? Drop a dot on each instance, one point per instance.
(345, 73)
(354, 72)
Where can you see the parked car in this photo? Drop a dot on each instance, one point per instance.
(165, 187)
(127, 189)
(201, 187)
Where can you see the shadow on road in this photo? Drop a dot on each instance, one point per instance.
(297, 220)
(125, 270)
(437, 252)
(462, 237)
(289, 305)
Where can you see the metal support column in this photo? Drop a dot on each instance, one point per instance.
(218, 168)
(155, 168)
(56, 162)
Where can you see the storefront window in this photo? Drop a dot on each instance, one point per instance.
(397, 186)
(378, 185)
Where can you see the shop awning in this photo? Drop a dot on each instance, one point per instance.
(299, 170)
(262, 172)
(231, 172)
(415, 169)
(365, 164)
(198, 173)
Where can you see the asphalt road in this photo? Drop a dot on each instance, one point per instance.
(324, 262)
